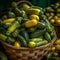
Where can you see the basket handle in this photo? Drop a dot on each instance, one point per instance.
(24, 1)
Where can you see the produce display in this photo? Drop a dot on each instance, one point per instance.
(55, 51)
(53, 13)
(25, 26)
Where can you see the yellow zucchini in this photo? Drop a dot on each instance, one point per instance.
(10, 20)
(17, 44)
(31, 23)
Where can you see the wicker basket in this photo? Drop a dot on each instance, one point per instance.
(23, 53)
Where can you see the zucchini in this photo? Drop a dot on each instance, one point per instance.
(49, 55)
(15, 33)
(47, 36)
(36, 40)
(10, 20)
(23, 14)
(17, 11)
(42, 43)
(6, 25)
(35, 11)
(12, 27)
(32, 29)
(43, 17)
(3, 37)
(52, 34)
(31, 23)
(25, 35)
(11, 15)
(19, 19)
(25, 6)
(10, 40)
(41, 25)
(7, 39)
(37, 33)
(22, 40)
(49, 28)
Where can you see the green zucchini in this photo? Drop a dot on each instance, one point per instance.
(52, 34)
(49, 55)
(3, 37)
(49, 28)
(22, 40)
(43, 17)
(25, 35)
(15, 33)
(7, 39)
(6, 25)
(41, 25)
(12, 27)
(37, 33)
(10, 40)
(42, 43)
(17, 11)
(36, 39)
(23, 14)
(11, 15)
(32, 29)
(19, 19)
(47, 36)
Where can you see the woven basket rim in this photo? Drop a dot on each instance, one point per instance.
(27, 48)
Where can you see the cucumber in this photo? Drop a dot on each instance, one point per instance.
(37, 33)
(22, 40)
(42, 43)
(12, 27)
(41, 25)
(47, 36)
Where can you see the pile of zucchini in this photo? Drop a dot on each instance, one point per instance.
(25, 26)
(53, 13)
(54, 53)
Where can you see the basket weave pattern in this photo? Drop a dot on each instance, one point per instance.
(23, 53)
(27, 54)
